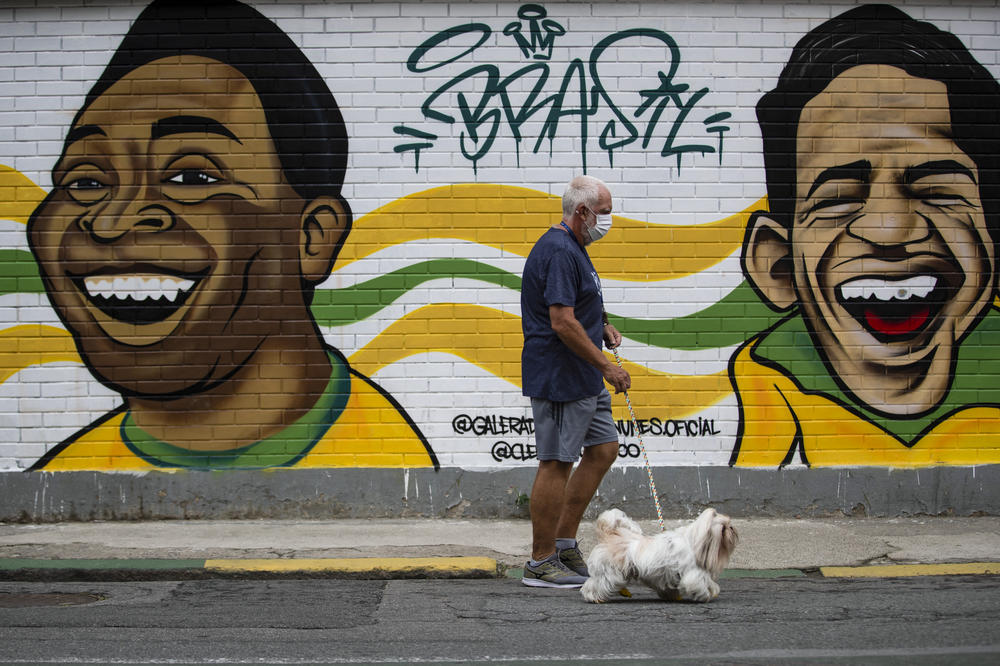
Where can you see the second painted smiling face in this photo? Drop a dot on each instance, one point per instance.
(169, 243)
(892, 258)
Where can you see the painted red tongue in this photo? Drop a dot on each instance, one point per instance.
(897, 326)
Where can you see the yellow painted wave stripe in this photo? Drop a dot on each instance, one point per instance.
(512, 218)
(906, 570)
(358, 565)
(33, 344)
(18, 195)
(492, 339)
(488, 338)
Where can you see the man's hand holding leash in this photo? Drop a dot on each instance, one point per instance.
(614, 374)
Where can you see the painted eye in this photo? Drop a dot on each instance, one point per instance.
(834, 208)
(192, 177)
(86, 190)
(85, 184)
(945, 200)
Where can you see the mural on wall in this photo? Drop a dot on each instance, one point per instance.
(180, 246)
(197, 255)
(880, 145)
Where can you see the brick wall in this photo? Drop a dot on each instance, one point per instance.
(423, 298)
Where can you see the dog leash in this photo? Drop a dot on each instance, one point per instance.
(642, 447)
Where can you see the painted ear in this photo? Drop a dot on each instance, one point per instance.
(324, 224)
(767, 261)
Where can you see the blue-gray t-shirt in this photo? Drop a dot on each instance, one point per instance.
(559, 272)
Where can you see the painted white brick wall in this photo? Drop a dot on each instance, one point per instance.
(53, 54)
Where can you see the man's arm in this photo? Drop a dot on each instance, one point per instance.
(571, 332)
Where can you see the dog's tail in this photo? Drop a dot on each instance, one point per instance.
(614, 522)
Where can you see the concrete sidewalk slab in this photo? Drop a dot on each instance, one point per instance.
(765, 544)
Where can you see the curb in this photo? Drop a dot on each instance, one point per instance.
(395, 568)
(518, 572)
(373, 568)
(910, 570)
(365, 567)
(864, 571)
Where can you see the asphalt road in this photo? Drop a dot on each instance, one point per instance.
(931, 620)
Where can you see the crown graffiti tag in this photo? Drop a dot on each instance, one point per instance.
(542, 32)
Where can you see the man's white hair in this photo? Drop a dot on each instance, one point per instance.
(581, 190)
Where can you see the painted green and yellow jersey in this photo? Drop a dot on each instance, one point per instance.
(354, 424)
(792, 410)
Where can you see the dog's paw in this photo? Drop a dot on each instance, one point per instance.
(703, 596)
(669, 594)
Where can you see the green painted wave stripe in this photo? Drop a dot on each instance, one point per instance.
(727, 322)
(19, 273)
(339, 307)
(730, 321)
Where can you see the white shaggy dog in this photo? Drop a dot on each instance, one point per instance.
(682, 563)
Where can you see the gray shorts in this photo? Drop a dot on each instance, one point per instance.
(563, 429)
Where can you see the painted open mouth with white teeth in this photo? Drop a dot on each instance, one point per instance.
(893, 310)
(137, 298)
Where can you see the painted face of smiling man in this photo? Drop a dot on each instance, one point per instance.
(172, 246)
(889, 257)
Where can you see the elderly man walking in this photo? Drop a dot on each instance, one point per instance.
(563, 372)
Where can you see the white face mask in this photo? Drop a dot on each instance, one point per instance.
(601, 227)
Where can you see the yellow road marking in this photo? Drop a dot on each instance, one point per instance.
(357, 564)
(903, 570)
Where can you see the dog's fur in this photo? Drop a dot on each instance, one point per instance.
(682, 563)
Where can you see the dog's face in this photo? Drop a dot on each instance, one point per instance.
(713, 539)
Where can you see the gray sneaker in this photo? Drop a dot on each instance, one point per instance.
(551, 573)
(573, 559)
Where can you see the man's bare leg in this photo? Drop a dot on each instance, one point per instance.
(548, 495)
(582, 485)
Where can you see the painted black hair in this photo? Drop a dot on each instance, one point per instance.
(302, 115)
(884, 35)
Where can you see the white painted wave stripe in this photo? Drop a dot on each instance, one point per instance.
(35, 309)
(13, 236)
(352, 337)
(665, 299)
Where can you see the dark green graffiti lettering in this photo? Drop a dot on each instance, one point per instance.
(481, 100)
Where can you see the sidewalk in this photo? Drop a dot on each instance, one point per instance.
(441, 548)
